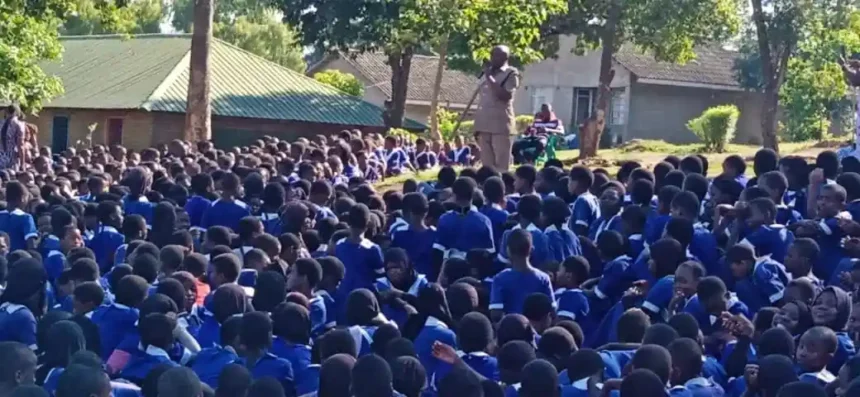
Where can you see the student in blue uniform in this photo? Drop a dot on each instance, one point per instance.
(800, 259)
(529, 210)
(14, 221)
(512, 357)
(615, 278)
(210, 362)
(227, 300)
(814, 354)
(711, 300)
(304, 277)
(829, 234)
(832, 308)
(851, 182)
(156, 338)
(363, 317)
(656, 223)
(513, 285)
(86, 298)
(60, 218)
(669, 255)
(135, 202)
(474, 337)
(776, 184)
(119, 318)
(416, 238)
(292, 329)
(464, 228)
(107, 238)
(687, 361)
(766, 237)
(400, 282)
(256, 340)
(437, 326)
(201, 188)
(362, 258)
(759, 281)
(633, 220)
(584, 374)
(425, 159)
(656, 359)
(704, 243)
(539, 378)
(561, 241)
(55, 262)
(611, 200)
(494, 206)
(133, 229)
(333, 273)
(228, 209)
(571, 301)
(524, 184)
(585, 208)
(248, 229)
(22, 302)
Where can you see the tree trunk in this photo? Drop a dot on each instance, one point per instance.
(401, 65)
(769, 120)
(773, 74)
(594, 126)
(435, 134)
(198, 115)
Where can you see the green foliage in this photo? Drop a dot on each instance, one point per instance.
(269, 39)
(28, 36)
(716, 127)
(226, 11)
(447, 123)
(345, 82)
(523, 122)
(669, 29)
(138, 16)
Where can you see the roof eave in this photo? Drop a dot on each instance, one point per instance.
(689, 84)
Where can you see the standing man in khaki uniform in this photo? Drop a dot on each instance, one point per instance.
(495, 120)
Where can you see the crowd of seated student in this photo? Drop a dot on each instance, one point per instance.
(278, 270)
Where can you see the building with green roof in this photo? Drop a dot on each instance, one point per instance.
(132, 91)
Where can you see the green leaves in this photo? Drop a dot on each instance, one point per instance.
(269, 39)
(342, 81)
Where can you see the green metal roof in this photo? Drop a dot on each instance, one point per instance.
(150, 72)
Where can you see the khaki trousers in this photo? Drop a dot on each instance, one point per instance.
(495, 150)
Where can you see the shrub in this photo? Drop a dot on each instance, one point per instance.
(523, 122)
(716, 126)
(342, 81)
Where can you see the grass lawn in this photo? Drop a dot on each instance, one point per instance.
(648, 153)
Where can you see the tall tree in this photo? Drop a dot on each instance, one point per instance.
(670, 29)
(138, 16)
(198, 114)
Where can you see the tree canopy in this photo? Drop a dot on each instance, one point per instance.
(342, 81)
(138, 16)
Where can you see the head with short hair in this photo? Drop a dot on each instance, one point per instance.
(632, 325)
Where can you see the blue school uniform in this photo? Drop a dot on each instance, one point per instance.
(363, 337)
(418, 244)
(462, 156)
(209, 363)
(578, 388)
(121, 254)
(853, 208)
(772, 240)
(434, 331)
(712, 369)
(584, 211)
(659, 296)
(615, 280)
(636, 242)
(765, 286)
(271, 222)
(395, 160)
(47, 244)
(373, 171)
(704, 246)
(209, 334)
(138, 206)
(796, 200)
(844, 351)
(460, 231)
(17, 324)
(247, 278)
(511, 287)
(707, 322)
(612, 222)
(330, 309)
(225, 213)
(142, 362)
(426, 160)
(299, 357)
(615, 361)
(271, 365)
(104, 244)
(511, 202)
(562, 243)
(655, 226)
(572, 304)
(20, 227)
(821, 378)
(324, 212)
(55, 264)
(318, 314)
(195, 207)
(786, 215)
(398, 316)
(830, 243)
(498, 218)
(540, 249)
(480, 362)
(700, 387)
(363, 263)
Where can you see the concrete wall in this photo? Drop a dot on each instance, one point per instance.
(662, 112)
(564, 73)
(136, 132)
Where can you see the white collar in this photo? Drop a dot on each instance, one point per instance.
(554, 228)
(635, 237)
(462, 354)
(531, 227)
(581, 384)
(700, 381)
(419, 281)
(156, 351)
(11, 307)
(621, 258)
(435, 322)
(106, 228)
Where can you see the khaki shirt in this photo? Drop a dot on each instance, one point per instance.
(494, 115)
